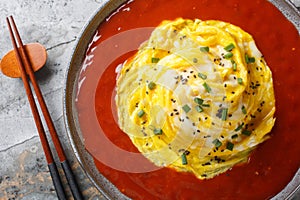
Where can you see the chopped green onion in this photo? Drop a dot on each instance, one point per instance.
(186, 108)
(234, 65)
(244, 110)
(224, 114)
(217, 143)
(141, 113)
(151, 85)
(183, 159)
(203, 76)
(204, 49)
(198, 101)
(229, 47)
(246, 132)
(228, 55)
(205, 105)
(229, 146)
(154, 60)
(249, 59)
(157, 131)
(199, 109)
(246, 58)
(207, 88)
(240, 81)
(234, 136)
(239, 127)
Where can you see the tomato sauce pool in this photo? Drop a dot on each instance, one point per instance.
(271, 166)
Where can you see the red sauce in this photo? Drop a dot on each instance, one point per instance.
(272, 164)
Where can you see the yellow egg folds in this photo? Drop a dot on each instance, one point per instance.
(197, 97)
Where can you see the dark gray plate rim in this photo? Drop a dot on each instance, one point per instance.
(70, 113)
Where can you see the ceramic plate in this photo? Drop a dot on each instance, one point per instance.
(72, 83)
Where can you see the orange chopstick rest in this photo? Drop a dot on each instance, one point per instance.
(37, 55)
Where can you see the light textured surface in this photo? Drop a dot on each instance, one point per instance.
(55, 24)
(296, 2)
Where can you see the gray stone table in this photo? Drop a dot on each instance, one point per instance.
(56, 24)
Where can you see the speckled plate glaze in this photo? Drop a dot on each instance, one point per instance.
(71, 115)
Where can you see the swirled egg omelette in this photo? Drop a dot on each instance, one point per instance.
(197, 97)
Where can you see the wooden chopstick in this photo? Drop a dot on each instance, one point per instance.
(25, 68)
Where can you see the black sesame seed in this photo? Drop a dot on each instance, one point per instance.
(207, 163)
(181, 150)
(186, 152)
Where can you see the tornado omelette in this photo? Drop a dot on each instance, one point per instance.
(197, 97)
